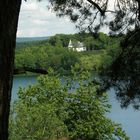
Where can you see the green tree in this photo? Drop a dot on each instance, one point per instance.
(55, 41)
(53, 110)
(43, 57)
(91, 16)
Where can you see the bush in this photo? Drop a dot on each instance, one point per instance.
(56, 108)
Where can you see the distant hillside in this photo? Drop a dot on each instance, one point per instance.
(30, 39)
(91, 43)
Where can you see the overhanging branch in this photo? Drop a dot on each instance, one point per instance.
(97, 6)
(28, 69)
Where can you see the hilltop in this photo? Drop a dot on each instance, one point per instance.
(30, 39)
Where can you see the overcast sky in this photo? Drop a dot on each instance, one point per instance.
(37, 21)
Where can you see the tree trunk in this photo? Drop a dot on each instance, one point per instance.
(9, 12)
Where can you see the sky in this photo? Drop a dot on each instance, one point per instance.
(36, 20)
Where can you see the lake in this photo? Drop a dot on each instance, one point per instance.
(129, 118)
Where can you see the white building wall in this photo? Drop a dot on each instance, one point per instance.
(79, 48)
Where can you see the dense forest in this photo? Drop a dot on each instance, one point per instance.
(54, 53)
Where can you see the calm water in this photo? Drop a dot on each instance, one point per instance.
(129, 118)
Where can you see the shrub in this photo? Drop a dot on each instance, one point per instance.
(56, 108)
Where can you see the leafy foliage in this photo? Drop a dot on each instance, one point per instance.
(92, 15)
(55, 108)
(54, 53)
(126, 71)
(43, 57)
(119, 17)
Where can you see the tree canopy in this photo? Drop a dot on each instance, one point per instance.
(119, 17)
(91, 15)
(54, 108)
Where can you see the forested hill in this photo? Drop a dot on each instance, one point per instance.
(30, 39)
(62, 40)
(53, 53)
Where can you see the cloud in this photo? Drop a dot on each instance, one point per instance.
(36, 20)
(29, 6)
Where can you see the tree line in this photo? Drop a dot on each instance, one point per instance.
(54, 53)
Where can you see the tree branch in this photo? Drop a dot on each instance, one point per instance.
(97, 6)
(25, 69)
(138, 9)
